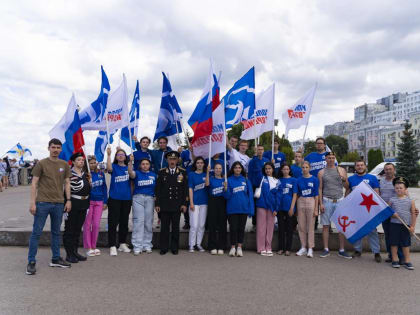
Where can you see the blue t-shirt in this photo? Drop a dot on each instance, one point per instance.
(296, 171)
(317, 162)
(308, 187)
(288, 187)
(120, 183)
(216, 187)
(197, 182)
(144, 183)
(279, 159)
(187, 162)
(369, 179)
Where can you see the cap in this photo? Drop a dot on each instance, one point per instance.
(401, 180)
(75, 156)
(172, 155)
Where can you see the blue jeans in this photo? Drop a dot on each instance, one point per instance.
(143, 211)
(43, 209)
(373, 242)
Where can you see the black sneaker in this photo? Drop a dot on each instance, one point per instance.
(356, 254)
(30, 268)
(59, 263)
(378, 258)
(72, 259)
(79, 257)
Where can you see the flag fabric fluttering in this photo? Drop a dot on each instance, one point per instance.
(91, 117)
(264, 115)
(19, 152)
(170, 114)
(101, 143)
(68, 130)
(298, 115)
(360, 212)
(201, 120)
(239, 101)
(134, 119)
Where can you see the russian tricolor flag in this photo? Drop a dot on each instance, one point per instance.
(201, 119)
(68, 130)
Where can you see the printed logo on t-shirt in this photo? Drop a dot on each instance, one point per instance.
(285, 191)
(311, 184)
(238, 189)
(306, 192)
(217, 190)
(366, 181)
(122, 178)
(61, 169)
(199, 186)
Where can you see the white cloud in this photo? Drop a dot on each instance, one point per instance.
(357, 52)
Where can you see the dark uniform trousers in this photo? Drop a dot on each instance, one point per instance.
(171, 193)
(73, 224)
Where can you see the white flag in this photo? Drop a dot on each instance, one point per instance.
(264, 115)
(218, 137)
(298, 115)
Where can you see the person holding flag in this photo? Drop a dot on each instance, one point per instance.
(133, 125)
(277, 157)
(142, 151)
(354, 180)
(405, 211)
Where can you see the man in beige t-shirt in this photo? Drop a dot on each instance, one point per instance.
(51, 180)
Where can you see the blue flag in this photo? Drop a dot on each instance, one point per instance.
(92, 116)
(101, 143)
(169, 120)
(239, 101)
(19, 152)
(134, 119)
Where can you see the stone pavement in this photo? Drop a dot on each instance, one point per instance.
(16, 225)
(200, 283)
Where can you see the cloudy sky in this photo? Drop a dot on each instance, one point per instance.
(357, 51)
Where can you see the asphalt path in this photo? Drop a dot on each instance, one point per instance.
(199, 283)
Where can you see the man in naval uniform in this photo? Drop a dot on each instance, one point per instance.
(171, 199)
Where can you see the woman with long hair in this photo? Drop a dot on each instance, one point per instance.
(98, 201)
(198, 204)
(119, 201)
(240, 205)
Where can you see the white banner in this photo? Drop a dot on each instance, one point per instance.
(264, 115)
(298, 115)
(218, 138)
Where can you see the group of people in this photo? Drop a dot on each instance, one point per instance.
(9, 173)
(227, 189)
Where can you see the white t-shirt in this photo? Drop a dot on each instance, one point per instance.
(234, 156)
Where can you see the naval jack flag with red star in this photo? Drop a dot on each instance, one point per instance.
(360, 212)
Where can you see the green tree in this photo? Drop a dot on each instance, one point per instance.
(309, 147)
(374, 158)
(337, 144)
(350, 157)
(408, 156)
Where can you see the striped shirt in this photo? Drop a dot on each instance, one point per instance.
(387, 189)
(402, 206)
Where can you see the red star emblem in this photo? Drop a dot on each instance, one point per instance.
(368, 201)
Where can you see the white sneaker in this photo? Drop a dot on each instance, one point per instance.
(263, 253)
(191, 250)
(90, 253)
(301, 252)
(220, 252)
(232, 252)
(213, 252)
(269, 253)
(148, 250)
(113, 251)
(137, 252)
(239, 252)
(201, 249)
(124, 248)
(310, 253)
(97, 252)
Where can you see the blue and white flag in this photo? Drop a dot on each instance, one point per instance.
(239, 101)
(101, 143)
(169, 120)
(19, 152)
(360, 213)
(134, 119)
(91, 117)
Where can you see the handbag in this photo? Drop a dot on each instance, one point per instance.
(257, 192)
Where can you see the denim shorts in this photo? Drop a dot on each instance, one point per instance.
(399, 235)
(329, 211)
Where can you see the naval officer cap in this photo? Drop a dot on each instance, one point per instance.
(401, 180)
(172, 155)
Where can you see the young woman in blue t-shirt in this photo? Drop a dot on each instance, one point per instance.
(216, 209)
(286, 209)
(240, 205)
(307, 205)
(119, 201)
(198, 204)
(143, 205)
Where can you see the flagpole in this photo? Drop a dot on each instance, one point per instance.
(86, 160)
(307, 123)
(272, 134)
(128, 115)
(405, 224)
(210, 149)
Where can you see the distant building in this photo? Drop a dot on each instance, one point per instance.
(341, 129)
